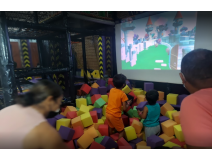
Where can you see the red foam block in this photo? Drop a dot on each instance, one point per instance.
(125, 120)
(85, 88)
(110, 81)
(103, 129)
(70, 144)
(115, 136)
(94, 116)
(122, 142)
(63, 109)
(95, 97)
(131, 120)
(78, 132)
(96, 145)
(176, 141)
(125, 147)
(132, 94)
(71, 115)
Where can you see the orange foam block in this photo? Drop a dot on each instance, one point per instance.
(140, 135)
(85, 141)
(96, 145)
(166, 107)
(94, 85)
(141, 98)
(77, 122)
(168, 127)
(166, 138)
(131, 120)
(62, 113)
(70, 109)
(137, 125)
(92, 132)
(176, 117)
(161, 96)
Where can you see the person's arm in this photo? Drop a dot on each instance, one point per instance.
(126, 105)
(50, 138)
(143, 113)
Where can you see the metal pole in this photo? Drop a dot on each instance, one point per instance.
(7, 74)
(84, 59)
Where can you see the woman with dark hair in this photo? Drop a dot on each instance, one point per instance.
(24, 126)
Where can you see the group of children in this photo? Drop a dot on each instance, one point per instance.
(118, 98)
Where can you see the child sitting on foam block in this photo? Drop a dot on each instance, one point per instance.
(116, 100)
(151, 114)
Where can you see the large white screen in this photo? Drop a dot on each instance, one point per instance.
(157, 56)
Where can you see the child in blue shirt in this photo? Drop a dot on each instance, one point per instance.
(151, 114)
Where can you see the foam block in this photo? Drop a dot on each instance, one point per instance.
(96, 145)
(88, 98)
(163, 119)
(130, 133)
(99, 134)
(135, 112)
(168, 127)
(176, 117)
(166, 138)
(154, 141)
(176, 107)
(62, 122)
(100, 121)
(122, 142)
(180, 98)
(133, 95)
(131, 120)
(59, 116)
(102, 90)
(176, 141)
(178, 133)
(142, 143)
(77, 122)
(86, 119)
(138, 92)
(83, 109)
(71, 115)
(99, 139)
(70, 144)
(169, 114)
(81, 101)
(109, 87)
(126, 89)
(110, 81)
(94, 91)
(85, 88)
(141, 105)
(99, 103)
(104, 110)
(95, 97)
(161, 96)
(95, 85)
(128, 83)
(125, 120)
(137, 125)
(70, 109)
(92, 132)
(75, 143)
(109, 143)
(94, 116)
(105, 98)
(103, 129)
(172, 98)
(137, 140)
(66, 133)
(148, 86)
(52, 121)
(130, 112)
(85, 141)
(161, 103)
(90, 107)
(62, 114)
(140, 135)
(99, 112)
(115, 136)
(101, 82)
(166, 107)
(103, 118)
(125, 147)
(78, 132)
(79, 92)
(143, 147)
(133, 145)
(170, 144)
(141, 98)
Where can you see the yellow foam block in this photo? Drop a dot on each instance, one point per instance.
(170, 144)
(178, 133)
(104, 110)
(81, 101)
(90, 107)
(166, 107)
(83, 109)
(172, 98)
(86, 119)
(99, 134)
(94, 85)
(142, 143)
(62, 122)
(103, 118)
(126, 89)
(176, 117)
(138, 92)
(168, 127)
(100, 121)
(169, 114)
(70, 109)
(130, 133)
(143, 147)
(141, 98)
(166, 138)
(105, 97)
(85, 141)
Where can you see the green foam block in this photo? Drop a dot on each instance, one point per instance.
(77, 108)
(142, 120)
(88, 98)
(99, 103)
(130, 113)
(99, 139)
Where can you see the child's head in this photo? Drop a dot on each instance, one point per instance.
(119, 81)
(152, 97)
(196, 70)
